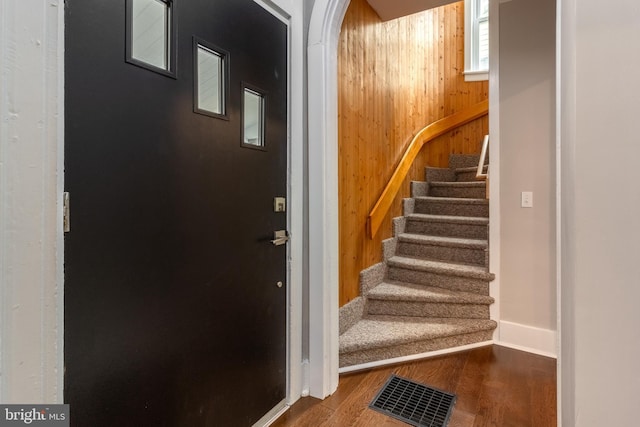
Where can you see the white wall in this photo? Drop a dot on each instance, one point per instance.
(600, 102)
(31, 36)
(527, 163)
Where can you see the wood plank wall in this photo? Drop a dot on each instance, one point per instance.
(394, 78)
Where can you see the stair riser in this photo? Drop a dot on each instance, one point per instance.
(466, 176)
(461, 192)
(426, 309)
(419, 189)
(450, 208)
(439, 174)
(445, 281)
(375, 354)
(463, 160)
(462, 175)
(446, 229)
(470, 256)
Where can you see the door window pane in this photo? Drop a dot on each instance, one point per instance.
(211, 76)
(483, 45)
(253, 118)
(150, 34)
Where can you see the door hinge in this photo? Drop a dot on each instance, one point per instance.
(66, 213)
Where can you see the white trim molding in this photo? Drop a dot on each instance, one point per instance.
(475, 76)
(560, 323)
(528, 338)
(273, 415)
(322, 59)
(494, 167)
(31, 183)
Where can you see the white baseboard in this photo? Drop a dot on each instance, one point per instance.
(528, 338)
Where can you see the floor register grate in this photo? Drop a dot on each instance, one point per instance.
(414, 403)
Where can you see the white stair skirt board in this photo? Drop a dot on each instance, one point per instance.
(528, 338)
(413, 357)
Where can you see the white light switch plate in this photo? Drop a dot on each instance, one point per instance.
(527, 199)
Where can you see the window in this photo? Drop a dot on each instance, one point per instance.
(150, 35)
(210, 79)
(476, 49)
(253, 118)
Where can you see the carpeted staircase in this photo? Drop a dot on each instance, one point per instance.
(431, 291)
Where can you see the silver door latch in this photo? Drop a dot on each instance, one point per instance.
(280, 237)
(66, 213)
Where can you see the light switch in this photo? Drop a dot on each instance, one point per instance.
(527, 199)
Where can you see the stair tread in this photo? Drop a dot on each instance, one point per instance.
(460, 200)
(376, 331)
(443, 241)
(458, 184)
(441, 267)
(400, 291)
(450, 218)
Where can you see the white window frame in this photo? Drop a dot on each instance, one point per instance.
(472, 70)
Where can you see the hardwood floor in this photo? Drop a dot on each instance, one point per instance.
(495, 386)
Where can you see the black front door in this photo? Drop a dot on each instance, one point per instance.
(174, 314)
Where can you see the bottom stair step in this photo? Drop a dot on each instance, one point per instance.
(384, 337)
(408, 299)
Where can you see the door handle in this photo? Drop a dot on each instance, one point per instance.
(280, 237)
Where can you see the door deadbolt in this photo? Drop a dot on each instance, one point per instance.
(279, 204)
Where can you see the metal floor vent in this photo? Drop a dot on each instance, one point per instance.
(414, 403)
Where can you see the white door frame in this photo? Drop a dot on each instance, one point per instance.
(31, 183)
(322, 90)
(324, 32)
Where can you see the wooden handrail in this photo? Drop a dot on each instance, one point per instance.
(430, 132)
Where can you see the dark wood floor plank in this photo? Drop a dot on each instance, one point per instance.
(472, 378)
(307, 412)
(352, 407)
(461, 418)
(442, 372)
(348, 384)
(495, 386)
(543, 394)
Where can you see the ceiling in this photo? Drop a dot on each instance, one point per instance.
(391, 9)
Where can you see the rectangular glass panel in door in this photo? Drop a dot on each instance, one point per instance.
(210, 87)
(253, 118)
(150, 32)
